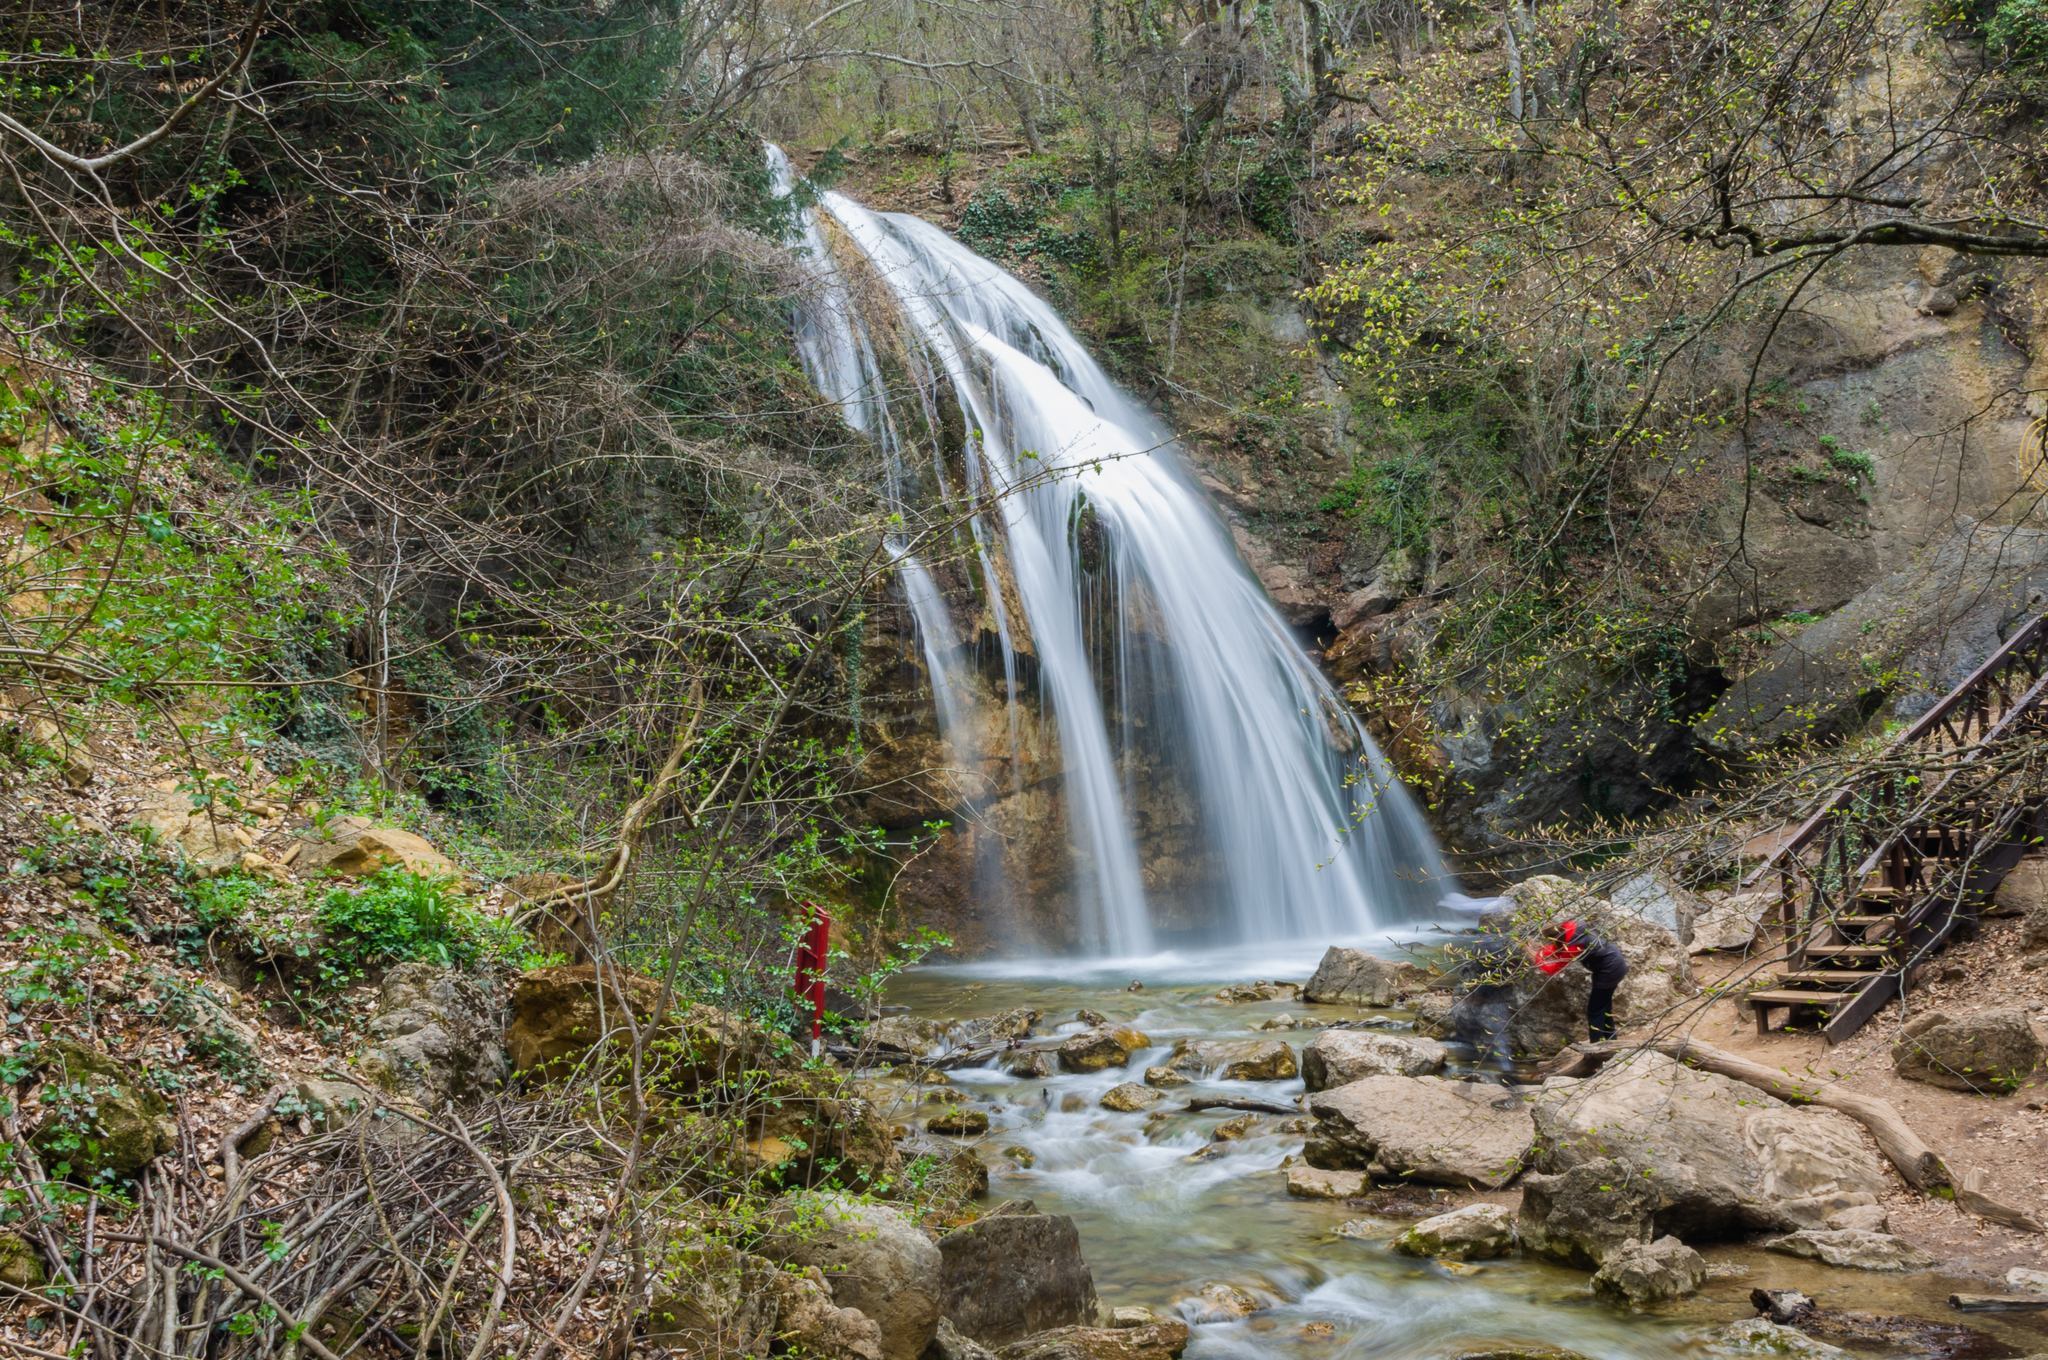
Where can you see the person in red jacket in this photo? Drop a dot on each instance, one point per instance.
(1567, 942)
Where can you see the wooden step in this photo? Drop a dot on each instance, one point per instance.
(1852, 951)
(1828, 977)
(1763, 1001)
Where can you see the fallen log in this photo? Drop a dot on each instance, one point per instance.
(1999, 1303)
(1921, 1166)
(1247, 1106)
(1970, 1198)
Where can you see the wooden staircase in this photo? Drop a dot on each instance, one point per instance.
(1891, 865)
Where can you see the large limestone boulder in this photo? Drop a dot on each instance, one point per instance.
(1689, 1154)
(942, 1169)
(1423, 1128)
(558, 1013)
(1234, 1059)
(1161, 1340)
(1353, 977)
(433, 1038)
(818, 1129)
(356, 847)
(1311, 1182)
(1651, 1272)
(1656, 897)
(1014, 1275)
(1730, 920)
(1986, 1053)
(872, 1258)
(99, 1114)
(209, 841)
(1339, 1056)
(727, 1303)
(1853, 1250)
(1477, 1232)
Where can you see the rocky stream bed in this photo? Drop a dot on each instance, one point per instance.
(1188, 1212)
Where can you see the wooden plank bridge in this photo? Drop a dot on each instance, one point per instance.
(1886, 869)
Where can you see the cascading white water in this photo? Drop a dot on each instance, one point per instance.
(1314, 836)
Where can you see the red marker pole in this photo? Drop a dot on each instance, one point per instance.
(813, 957)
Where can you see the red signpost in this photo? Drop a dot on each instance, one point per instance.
(813, 958)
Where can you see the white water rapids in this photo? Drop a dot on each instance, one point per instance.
(1311, 830)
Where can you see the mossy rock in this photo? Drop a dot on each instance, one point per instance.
(100, 1116)
(21, 1265)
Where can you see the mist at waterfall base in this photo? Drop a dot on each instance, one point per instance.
(1312, 835)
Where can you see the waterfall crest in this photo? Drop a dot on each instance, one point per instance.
(1132, 592)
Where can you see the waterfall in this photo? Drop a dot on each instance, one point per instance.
(1312, 834)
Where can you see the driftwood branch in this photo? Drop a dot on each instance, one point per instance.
(1231, 1103)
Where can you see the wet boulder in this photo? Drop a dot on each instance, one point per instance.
(1761, 1336)
(1339, 1056)
(1424, 1129)
(1651, 1272)
(1352, 977)
(1029, 1062)
(1477, 1232)
(1853, 1250)
(1104, 1046)
(1690, 1154)
(1011, 1276)
(909, 1034)
(433, 1038)
(1161, 1340)
(958, 1123)
(1164, 1077)
(1130, 1097)
(1308, 1182)
(1234, 1059)
(872, 1258)
(99, 1114)
(1985, 1053)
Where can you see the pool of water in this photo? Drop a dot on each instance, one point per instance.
(1157, 1221)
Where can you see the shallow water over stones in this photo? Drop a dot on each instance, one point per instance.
(1163, 1211)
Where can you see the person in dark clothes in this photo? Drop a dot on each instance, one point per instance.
(1566, 942)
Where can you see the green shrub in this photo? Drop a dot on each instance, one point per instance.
(223, 901)
(401, 917)
(2017, 33)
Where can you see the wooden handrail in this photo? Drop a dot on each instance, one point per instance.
(1993, 666)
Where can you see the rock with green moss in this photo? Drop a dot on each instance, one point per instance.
(100, 1116)
(20, 1264)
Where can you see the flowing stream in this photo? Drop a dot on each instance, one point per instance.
(1162, 1210)
(1309, 831)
